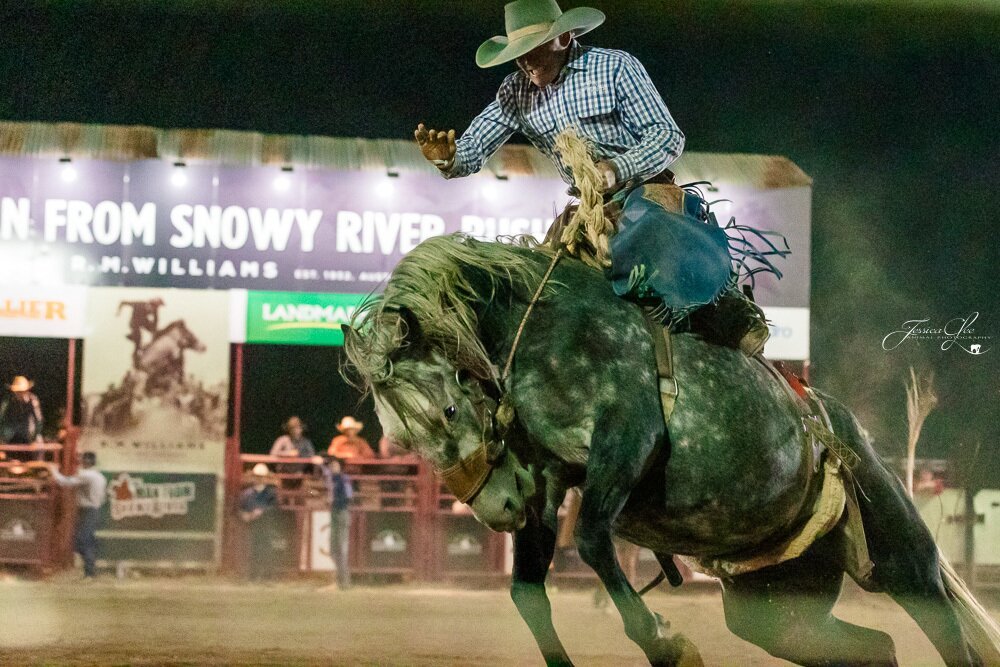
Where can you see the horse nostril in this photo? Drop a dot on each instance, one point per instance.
(509, 506)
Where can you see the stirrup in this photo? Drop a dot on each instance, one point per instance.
(753, 341)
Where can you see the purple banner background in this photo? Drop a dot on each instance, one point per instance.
(345, 229)
(260, 228)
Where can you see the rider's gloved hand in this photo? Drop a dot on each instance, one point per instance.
(608, 172)
(437, 147)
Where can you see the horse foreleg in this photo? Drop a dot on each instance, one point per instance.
(533, 548)
(642, 626)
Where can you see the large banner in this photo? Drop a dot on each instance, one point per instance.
(152, 224)
(156, 380)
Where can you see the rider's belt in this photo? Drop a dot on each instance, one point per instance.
(665, 176)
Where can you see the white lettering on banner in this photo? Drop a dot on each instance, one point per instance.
(107, 223)
(174, 266)
(231, 227)
(15, 219)
(306, 313)
(488, 229)
(390, 232)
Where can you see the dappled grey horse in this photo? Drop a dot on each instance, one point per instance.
(734, 472)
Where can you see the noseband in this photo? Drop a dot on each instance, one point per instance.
(467, 477)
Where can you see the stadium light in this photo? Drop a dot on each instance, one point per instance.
(178, 178)
(68, 171)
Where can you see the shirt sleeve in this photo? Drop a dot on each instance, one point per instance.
(487, 133)
(63, 480)
(281, 446)
(645, 114)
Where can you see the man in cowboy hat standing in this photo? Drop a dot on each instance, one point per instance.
(258, 504)
(21, 414)
(349, 444)
(606, 94)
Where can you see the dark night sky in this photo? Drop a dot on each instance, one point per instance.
(892, 111)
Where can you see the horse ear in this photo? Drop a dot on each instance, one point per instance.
(412, 331)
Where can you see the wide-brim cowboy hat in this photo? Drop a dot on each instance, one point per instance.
(260, 470)
(350, 422)
(21, 383)
(530, 23)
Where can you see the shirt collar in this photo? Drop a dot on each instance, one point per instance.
(577, 56)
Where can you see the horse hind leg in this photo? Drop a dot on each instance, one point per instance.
(905, 557)
(786, 610)
(906, 562)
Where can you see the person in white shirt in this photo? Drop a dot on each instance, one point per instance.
(91, 487)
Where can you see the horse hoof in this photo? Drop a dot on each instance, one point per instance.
(688, 655)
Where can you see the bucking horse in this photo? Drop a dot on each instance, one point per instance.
(733, 474)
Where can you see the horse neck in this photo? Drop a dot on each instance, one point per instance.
(499, 317)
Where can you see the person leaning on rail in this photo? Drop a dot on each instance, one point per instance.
(90, 487)
(609, 98)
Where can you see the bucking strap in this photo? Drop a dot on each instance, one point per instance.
(664, 365)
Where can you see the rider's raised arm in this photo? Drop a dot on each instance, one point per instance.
(487, 133)
(645, 114)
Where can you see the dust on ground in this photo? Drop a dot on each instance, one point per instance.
(207, 621)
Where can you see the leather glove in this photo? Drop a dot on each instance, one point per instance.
(437, 146)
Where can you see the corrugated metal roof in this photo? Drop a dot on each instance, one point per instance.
(229, 147)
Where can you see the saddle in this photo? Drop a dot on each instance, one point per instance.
(837, 494)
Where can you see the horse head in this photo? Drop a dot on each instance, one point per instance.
(446, 415)
(185, 338)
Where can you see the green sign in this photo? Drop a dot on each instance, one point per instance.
(299, 318)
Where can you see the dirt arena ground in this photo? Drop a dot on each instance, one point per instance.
(199, 621)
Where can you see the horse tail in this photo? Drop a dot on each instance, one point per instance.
(981, 632)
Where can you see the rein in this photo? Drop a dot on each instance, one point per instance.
(468, 477)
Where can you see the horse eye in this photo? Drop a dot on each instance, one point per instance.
(450, 412)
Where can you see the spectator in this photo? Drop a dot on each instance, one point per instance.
(258, 505)
(349, 444)
(387, 449)
(341, 493)
(21, 414)
(90, 492)
(293, 443)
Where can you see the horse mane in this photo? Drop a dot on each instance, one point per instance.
(439, 282)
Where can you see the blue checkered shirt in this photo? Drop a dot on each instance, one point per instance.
(605, 93)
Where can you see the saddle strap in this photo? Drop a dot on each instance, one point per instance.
(664, 365)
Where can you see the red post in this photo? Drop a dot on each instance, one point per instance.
(233, 469)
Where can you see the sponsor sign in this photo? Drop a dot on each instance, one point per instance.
(388, 541)
(159, 502)
(320, 558)
(152, 224)
(298, 318)
(43, 311)
(156, 380)
(789, 333)
(17, 530)
(464, 544)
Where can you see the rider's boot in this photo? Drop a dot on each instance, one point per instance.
(735, 321)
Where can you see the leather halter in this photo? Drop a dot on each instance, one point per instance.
(466, 478)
